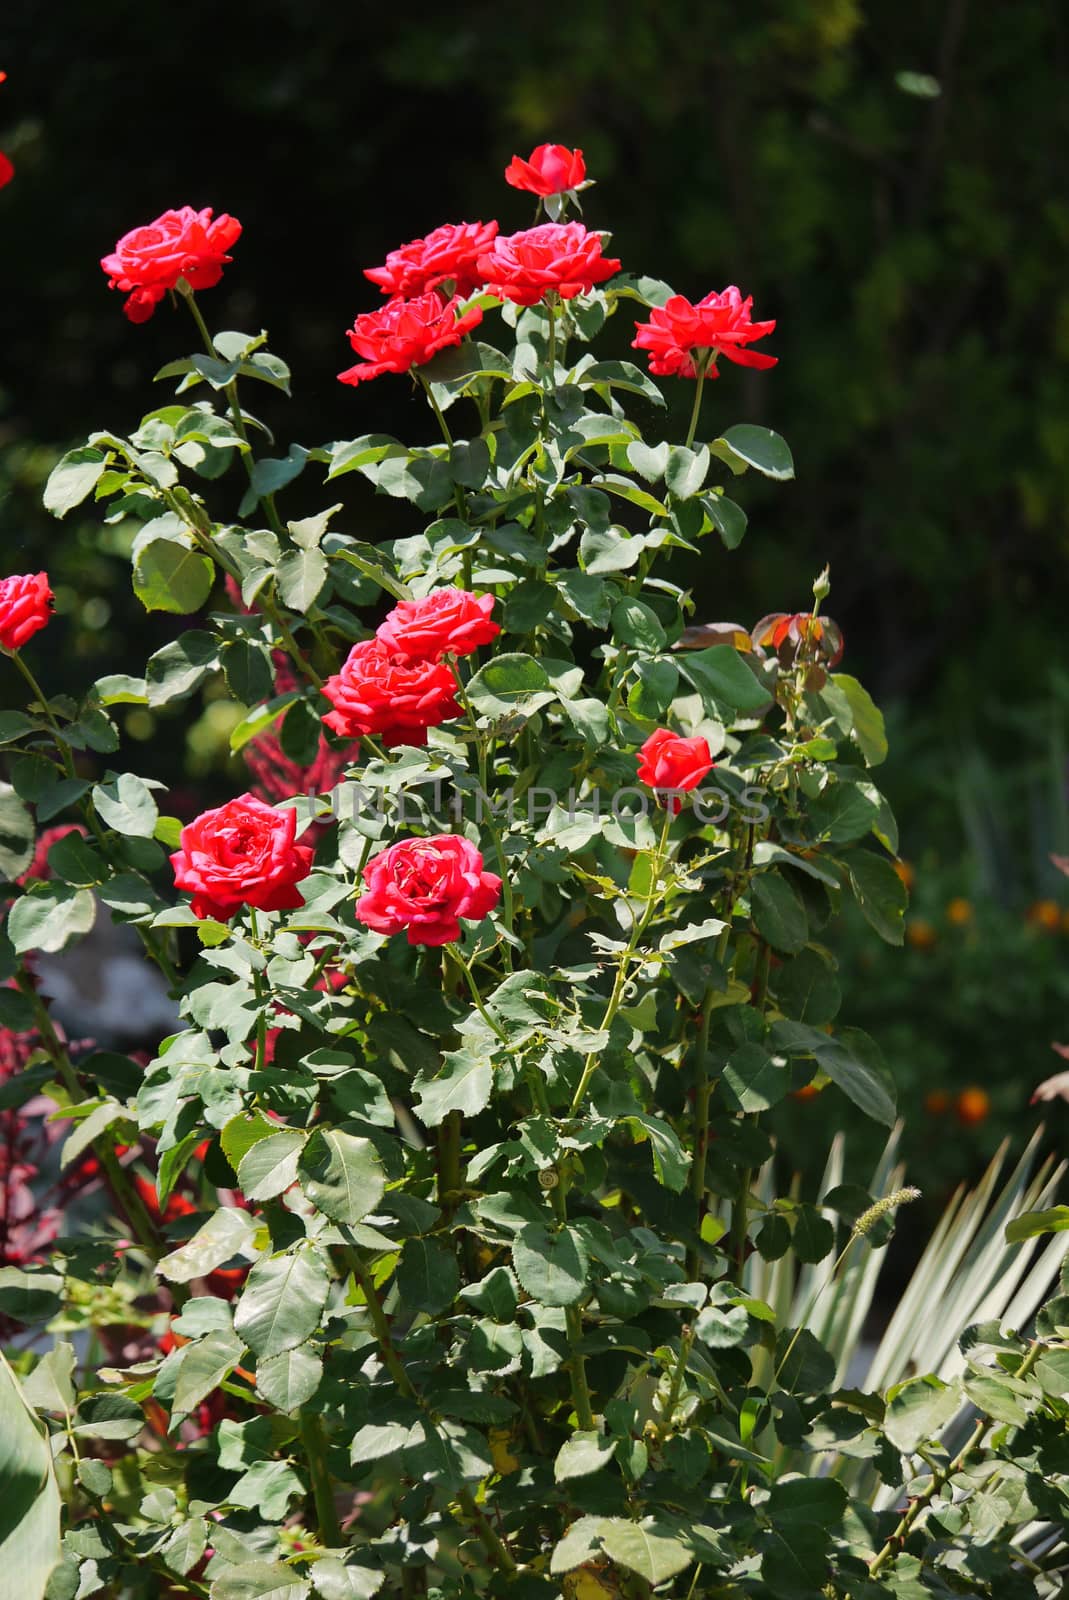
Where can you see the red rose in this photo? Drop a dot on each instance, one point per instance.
(380, 692)
(557, 256)
(7, 170)
(551, 169)
(448, 255)
(445, 622)
(25, 608)
(668, 761)
(181, 244)
(242, 854)
(424, 886)
(405, 334)
(719, 325)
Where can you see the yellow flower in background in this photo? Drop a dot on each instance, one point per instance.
(959, 911)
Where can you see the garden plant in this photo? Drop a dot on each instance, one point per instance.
(442, 1249)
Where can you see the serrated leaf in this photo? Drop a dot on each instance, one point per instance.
(222, 1236)
(341, 1174)
(282, 1301)
(551, 1267)
(289, 1380)
(582, 1454)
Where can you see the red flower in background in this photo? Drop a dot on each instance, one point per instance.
(380, 692)
(558, 257)
(719, 325)
(668, 761)
(445, 622)
(423, 886)
(7, 170)
(25, 607)
(242, 854)
(406, 334)
(549, 169)
(148, 261)
(448, 255)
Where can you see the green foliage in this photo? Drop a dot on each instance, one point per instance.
(510, 1273)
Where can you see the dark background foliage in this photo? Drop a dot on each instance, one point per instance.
(889, 183)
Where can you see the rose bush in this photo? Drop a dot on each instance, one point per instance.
(444, 1250)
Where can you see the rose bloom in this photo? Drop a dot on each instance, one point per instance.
(406, 334)
(561, 257)
(242, 854)
(148, 261)
(448, 255)
(668, 761)
(7, 170)
(380, 692)
(549, 169)
(446, 622)
(423, 886)
(719, 325)
(25, 607)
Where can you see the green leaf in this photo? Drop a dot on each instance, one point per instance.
(807, 989)
(341, 1174)
(814, 1236)
(850, 1059)
(636, 624)
(29, 1296)
(880, 893)
(73, 477)
(18, 835)
(857, 715)
(582, 1454)
(126, 804)
(29, 1505)
(817, 1502)
(727, 518)
(288, 1381)
(259, 720)
(802, 1364)
(1030, 1224)
(226, 1232)
(260, 1580)
(509, 684)
(724, 681)
(553, 1267)
(269, 1167)
(282, 1302)
(671, 1163)
(85, 1131)
(918, 1409)
(649, 460)
(464, 1085)
(752, 1081)
(686, 470)
(49, 918)
(13, 724)
(337, 1580)
(202, 1367)
(170, 575)
(654, 1551)
(756, 447)
(779, 912)
(272, 473)
(428, 1278)
(49, 1386)
(722, 1330)
(180, 667)
(301, 576)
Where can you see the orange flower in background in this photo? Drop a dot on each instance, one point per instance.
(920, 934)
(808, 1091)
(972, 1106)
(959, 911)
(1045, 914)
(906, 873)
(937, 1102)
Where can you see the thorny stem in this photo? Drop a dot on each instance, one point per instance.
(702, 367)
(507, 901)
(477, 997)
(573, 1323)
(260, 1059)
(702, 1091)
(492, 1543)
(231, 392)
(919, 1506)
(686, 1343)
(315, 1447)
(619, 987)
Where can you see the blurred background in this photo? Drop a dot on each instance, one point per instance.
(888, 181)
